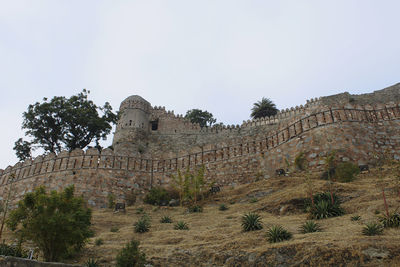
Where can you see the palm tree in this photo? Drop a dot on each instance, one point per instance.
(263, 108)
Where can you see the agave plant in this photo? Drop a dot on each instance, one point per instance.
(181, 225)
(324, 209)
(310, 227)
(166, 219)
(223, 207)
(355, 218)
(251, 222)
(142, 225)
(92, 263)
(195, 208)
(277, 233)
(393, 220)
(372, 228)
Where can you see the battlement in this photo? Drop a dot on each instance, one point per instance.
(108, 159)
(154, 143)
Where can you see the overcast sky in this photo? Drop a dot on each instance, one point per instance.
(219, 56)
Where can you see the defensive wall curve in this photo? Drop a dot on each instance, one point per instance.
(354, 131)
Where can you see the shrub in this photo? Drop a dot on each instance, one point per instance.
(345, 171)
(277, 233)
(393, 220)
(310, 227)
(300, 161)
(324, 209)
(253, 200)
(61, 216)
(327, 175)
(7, 250)
(130, 256)
(223, 207)
(355, 218)
(142, 225)
(114, 229)
(166, 219)
(195, 208)
(139, 211)
(323, 206)
(99, 242)
(92, 263)
(372, 228)
(130, 198)
(251, 222)
(110, 201)
(157, 196)
(181, 225)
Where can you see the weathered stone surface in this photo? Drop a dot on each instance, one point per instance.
(151, 144)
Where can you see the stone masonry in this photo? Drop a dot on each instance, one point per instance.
(151, 144)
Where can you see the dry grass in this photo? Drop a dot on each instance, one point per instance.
(214, 233)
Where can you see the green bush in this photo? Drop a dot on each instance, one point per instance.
(346, 171)
(277, 233)
(110, 201)
(195, 208)
(324, 209)
(157, 196)
(99, 242)
(142, 225)
(393, 220)
(59, 215)
(92, 263)
(300, 161)
(114, 229)
(355, 218)
(223, 207)
(253, 200)
(166, 219)
(251, 222)
(130, 198)
(130, 256)
(310, 227)
(140, 211)
(326, 196)
(7, 250)
(181, 225)
(323, 206)
(372, 228)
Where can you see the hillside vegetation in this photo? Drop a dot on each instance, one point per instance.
(216, 238)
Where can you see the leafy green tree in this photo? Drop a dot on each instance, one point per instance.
(22, 149)
(263, 108)
(57, 223)
(64, 123)
(191, 184)
(197, 183)
(181, 184)
(201, 117)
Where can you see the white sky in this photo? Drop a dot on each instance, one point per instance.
(216, 55)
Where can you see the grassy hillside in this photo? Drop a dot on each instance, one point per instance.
(215, 238)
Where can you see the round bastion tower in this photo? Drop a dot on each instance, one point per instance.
(133, 126)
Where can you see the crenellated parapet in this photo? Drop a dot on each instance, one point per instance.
(152, 143)
(108, 160)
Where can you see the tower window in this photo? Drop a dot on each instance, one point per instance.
(154, 125)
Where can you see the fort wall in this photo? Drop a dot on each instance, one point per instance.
(356, 132)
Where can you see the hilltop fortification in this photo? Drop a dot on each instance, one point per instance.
(151, 143)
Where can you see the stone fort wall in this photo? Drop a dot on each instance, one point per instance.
(355, 131)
